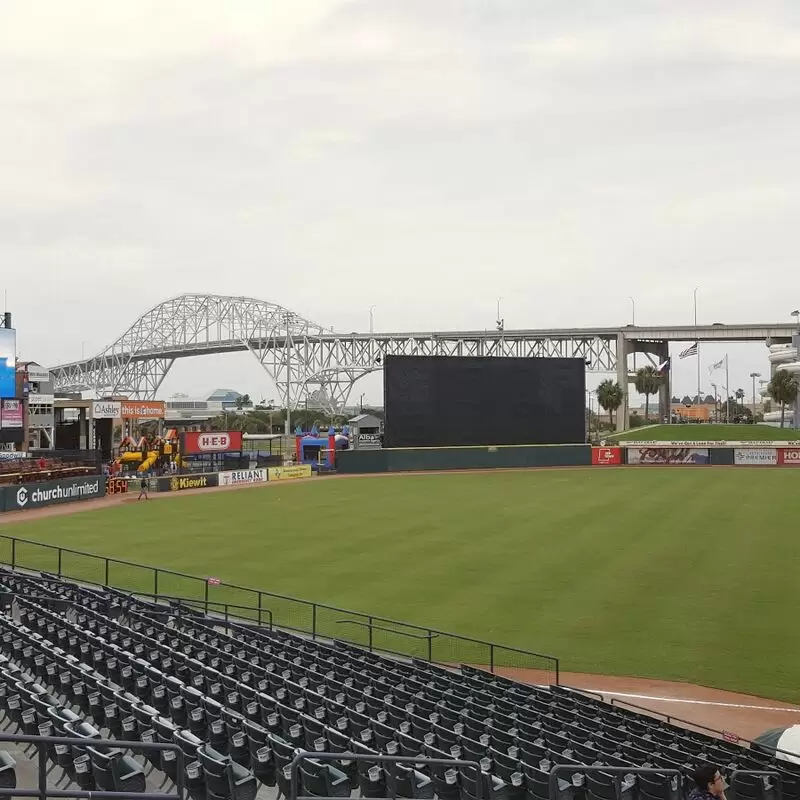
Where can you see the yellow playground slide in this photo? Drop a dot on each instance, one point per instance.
(148, 463)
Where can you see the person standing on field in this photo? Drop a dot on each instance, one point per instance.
(143, 490)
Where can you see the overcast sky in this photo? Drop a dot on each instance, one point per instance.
(421, 156)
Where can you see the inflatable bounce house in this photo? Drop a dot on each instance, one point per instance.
(320, 451)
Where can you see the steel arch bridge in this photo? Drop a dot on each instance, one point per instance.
(306, 361)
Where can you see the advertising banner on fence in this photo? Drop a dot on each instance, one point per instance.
(289, 473)
(177, 483)
(716, 443)
(106, 409)
(755, 456)
(12, 414)
(48, 493)
(668, 456)
(606, 456)
(194, 443)
(241, 477)
(142, 409)
(789, 456)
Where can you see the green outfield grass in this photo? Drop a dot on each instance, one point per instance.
(708, 433)
(682, 573)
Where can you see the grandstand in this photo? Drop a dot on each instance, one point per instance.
(232, 704)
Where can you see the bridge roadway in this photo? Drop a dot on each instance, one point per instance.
(306, 361)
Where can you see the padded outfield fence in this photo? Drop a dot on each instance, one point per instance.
(243, 604)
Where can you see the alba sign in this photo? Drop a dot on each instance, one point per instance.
(195, 443)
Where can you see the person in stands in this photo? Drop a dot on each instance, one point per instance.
(710, 784)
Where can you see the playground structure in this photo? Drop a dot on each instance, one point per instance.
(782, 356)
(147, 453)
(320, 451)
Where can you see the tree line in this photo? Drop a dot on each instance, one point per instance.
(783, 389)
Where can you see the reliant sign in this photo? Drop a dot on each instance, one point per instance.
(242, 477)
(47, 493)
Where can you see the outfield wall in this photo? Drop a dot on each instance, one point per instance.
(359, 462)
(37, 494)
(423, 459)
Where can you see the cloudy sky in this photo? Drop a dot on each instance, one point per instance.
(422, 156)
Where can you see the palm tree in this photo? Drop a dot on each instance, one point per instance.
(647, 382)
(783, 389)
(609, 395)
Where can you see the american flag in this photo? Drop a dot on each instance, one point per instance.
(689, 351)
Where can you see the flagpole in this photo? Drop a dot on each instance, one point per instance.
(728, 389)
(698, 346)
(699, 396)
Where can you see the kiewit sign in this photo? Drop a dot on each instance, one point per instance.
(195, 443)
(47, 493)
(180, 482)
(241, 477)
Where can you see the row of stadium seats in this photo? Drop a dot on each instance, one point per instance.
(241, 701)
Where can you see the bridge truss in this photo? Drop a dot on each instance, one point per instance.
(306, 362)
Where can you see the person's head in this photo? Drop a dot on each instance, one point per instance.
(708, 778)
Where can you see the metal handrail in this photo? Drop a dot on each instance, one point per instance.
(669, 719)
(313, 606)
(382, 757)
(187, 601)
(43, 792)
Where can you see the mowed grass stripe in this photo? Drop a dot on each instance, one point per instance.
(708, 433)
(678, 573)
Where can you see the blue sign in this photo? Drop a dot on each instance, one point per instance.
(8, 362)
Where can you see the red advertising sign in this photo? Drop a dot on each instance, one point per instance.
(12, 414)
(606, 456)
(142, 409)
(195, 443)
(789, 456)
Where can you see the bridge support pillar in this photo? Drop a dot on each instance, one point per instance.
(623, 349)
(661, 350)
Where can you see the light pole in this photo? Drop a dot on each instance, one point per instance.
(754, 375)
(633, 322)
(372, 319)
(698, 348)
